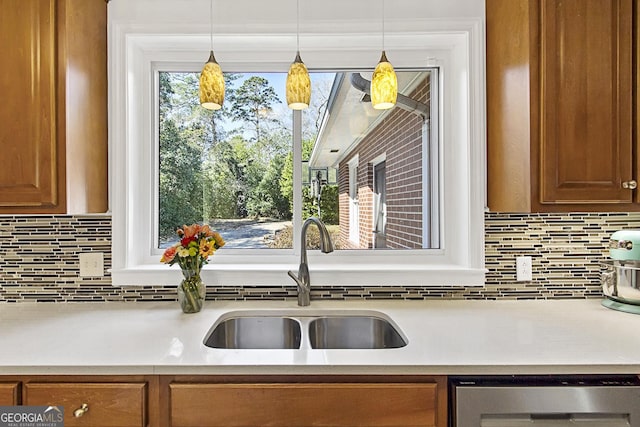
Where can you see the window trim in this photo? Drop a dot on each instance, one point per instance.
(354, 204)
(380, 160)
(458, 49)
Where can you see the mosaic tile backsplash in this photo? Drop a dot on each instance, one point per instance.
(39, 262)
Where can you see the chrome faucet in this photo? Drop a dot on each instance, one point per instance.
(302, 279)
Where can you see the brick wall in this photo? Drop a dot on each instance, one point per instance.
(399, 137)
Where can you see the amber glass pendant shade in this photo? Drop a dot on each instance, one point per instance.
(298, 85)
(211, 85)
(384, 85)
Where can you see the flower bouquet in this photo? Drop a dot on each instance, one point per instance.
(197, 243)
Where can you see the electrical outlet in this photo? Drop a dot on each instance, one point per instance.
(91, 264)
(524, 271)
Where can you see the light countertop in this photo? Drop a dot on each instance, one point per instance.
(445, 337)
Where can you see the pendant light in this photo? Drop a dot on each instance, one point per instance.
(384, 83)
(211, 79)
(298, 81)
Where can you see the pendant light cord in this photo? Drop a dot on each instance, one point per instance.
(211, 23)
(383, 25)
(298, 25)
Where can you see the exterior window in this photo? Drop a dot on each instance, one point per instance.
(379, 206)
(354, 212)
(233, 169)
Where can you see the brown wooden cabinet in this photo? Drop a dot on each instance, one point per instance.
(328, 402)
(9, 393)
(561, 90)
(53, 118)
(235, 400)
(92, 404)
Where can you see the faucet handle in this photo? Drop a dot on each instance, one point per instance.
(295, 278)
(304, 293)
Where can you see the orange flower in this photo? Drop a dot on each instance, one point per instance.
(169, 254)
(207, 248)
(218, 239)
(191, 230)
(206, 230)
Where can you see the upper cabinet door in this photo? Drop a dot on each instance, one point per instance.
(585, 105)
(53, 114)
(560, 105)
(28, 112)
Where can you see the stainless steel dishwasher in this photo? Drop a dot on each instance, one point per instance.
(549, 401)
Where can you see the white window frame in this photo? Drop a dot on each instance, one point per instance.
(374, 218)
(456, 47)
(354, 206)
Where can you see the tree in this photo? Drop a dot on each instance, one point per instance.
(252, 103)
(165, 94)
(194, 146)
(286, 178)
(267, 199)
(312, 117)
(329, 204)
(180, 195)
(208, 170)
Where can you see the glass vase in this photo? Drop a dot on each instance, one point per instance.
(191, 292)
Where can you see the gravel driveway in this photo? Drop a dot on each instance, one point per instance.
(243, 233)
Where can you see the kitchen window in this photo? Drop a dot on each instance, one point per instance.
(233, 168)
(139, 60)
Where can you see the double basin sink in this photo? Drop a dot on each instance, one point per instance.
(302, 330)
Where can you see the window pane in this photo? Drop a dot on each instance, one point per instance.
(370, 169)
(366, 173)
(230, 168)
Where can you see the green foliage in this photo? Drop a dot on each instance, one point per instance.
(286, 178)
(166, 92)
(329, 204)
(220, 192)
(208, 170)
(268, 200)
(329, 212)
(179, 180)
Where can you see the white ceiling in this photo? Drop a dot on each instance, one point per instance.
(259, 16)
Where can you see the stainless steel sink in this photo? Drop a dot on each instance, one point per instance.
(302, 329)
(255, 332)
(354, 332)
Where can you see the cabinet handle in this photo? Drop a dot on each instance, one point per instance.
(81, 410)
(630, 185)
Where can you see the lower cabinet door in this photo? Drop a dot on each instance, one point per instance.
(8, 394)
(308, 404)
(92, 404)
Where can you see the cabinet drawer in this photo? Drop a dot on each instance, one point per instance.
(317, 404)
(8, 394)
(109, 404)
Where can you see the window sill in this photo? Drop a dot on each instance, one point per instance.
(326, 275)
